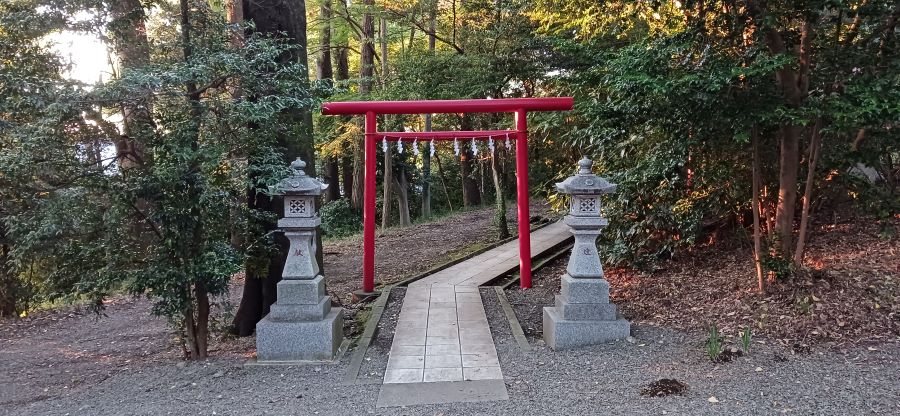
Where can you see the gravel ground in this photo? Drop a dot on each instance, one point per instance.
(598, 380)
(375, 361)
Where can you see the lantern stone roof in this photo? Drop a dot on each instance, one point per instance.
(585, 182)
(299, 183)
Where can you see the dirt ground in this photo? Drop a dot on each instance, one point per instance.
(56, 353)
(404, 252)
(598, 380)
(71, 362)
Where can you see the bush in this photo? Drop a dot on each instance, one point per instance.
(339, 219)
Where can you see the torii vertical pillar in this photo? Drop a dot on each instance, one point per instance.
(369, 207)
(522, 199)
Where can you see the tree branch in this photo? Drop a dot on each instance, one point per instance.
(428, 31)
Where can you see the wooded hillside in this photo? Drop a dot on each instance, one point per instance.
(719, 120)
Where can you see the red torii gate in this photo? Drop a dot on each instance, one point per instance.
(518, 106)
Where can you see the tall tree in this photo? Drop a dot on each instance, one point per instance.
(196, 312)
(426, 156)
(342, 75)
(325, 74)
(285, 19)
(388, 187)
(366, 73)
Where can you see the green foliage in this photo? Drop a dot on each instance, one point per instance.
(339, 219)
(666, 98)
(30, 83)
(714, 343)
(746, 338)
(638, 110)
(162, 228)
(804, 304)
(780, 265)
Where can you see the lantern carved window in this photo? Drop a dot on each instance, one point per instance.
(588, 204)
(298, 207)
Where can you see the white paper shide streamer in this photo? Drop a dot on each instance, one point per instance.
(399, 145)
(491, 144)
(474, 147)
(384, 145)
(416, 146)
(456, 146)
(508, 144)
(431, 144)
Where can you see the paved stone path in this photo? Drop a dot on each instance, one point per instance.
(442, 333)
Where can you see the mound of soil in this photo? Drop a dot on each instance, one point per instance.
(664, 387)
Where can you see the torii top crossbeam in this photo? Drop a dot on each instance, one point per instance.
(504, 105)
(518, 106)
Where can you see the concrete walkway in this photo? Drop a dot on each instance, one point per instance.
(443, 335)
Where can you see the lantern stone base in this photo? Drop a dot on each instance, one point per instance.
(582, 315)
(301, 325)
(300, 340)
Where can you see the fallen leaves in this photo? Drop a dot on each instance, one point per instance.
(850, 296)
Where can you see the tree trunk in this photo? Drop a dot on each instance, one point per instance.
(402, 192)
(234, 11)
(323, 65)
(249, 311)
(262, 271)
(332, 177)
(754, 207)
(202, 330)
(287, 20)
(325, 74)
(793, 85)
(386, 187)
(342, 73)
(789, 160)
(500, 220)
(342, 63)
(9, 286)
(347, 175)
(443, 177)
(426, 157)
(383, 42)
(366, 71)
(426, 173)
(196, 327)
(129, 40)
(814, 150)
(471, 194)
(189, 344)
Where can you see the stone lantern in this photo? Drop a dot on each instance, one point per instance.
(301, 325)
(582, 314)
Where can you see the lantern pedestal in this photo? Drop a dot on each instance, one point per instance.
(297, 340)
(301, 325)
(583, 315)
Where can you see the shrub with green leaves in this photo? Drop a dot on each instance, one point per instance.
(162, 227)
(339, 219)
